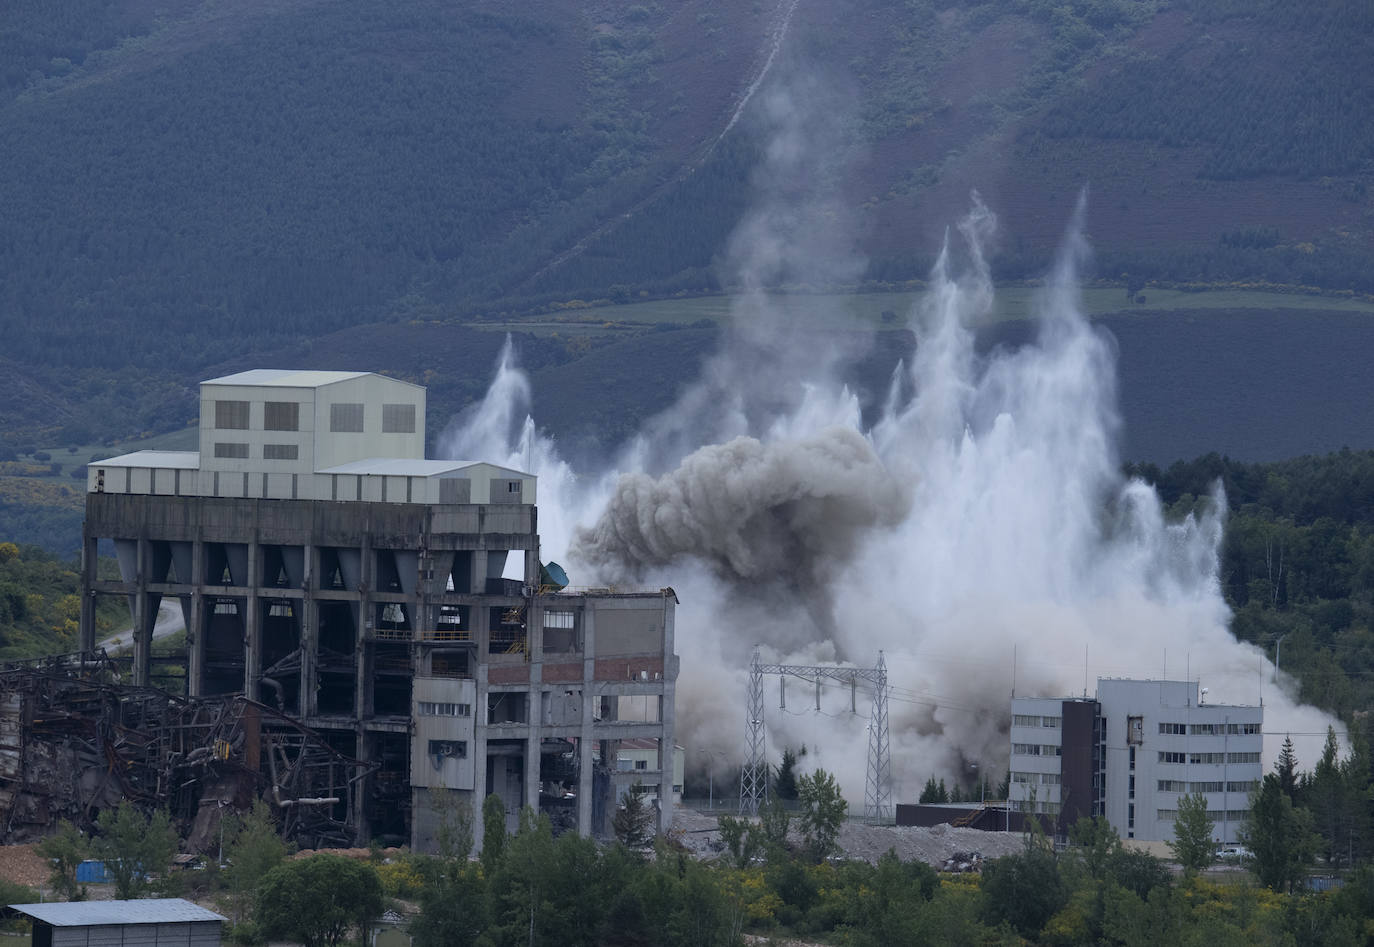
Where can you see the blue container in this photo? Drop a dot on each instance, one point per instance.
(93, 873)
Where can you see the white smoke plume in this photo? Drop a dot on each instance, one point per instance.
(980, 533)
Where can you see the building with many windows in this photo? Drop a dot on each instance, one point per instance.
(396, 606)
(1131, 752)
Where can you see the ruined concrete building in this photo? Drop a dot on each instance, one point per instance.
(394, 607)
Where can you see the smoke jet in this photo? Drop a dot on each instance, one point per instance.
(979, 532)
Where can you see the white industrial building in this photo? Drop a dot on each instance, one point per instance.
(1131, 752)
(396, 606)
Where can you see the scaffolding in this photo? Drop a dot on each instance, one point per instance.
(753, 788)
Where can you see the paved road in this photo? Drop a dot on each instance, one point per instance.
(169, 622)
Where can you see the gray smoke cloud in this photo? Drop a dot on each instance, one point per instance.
(755, 512)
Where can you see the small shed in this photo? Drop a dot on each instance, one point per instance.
(155, 922)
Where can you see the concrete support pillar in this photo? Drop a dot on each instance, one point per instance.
(363, 691)
(362, 749)
(88, 562)
(252, 625)
(667, 715)
(310, 636)
(142, 631)
(480, 788)
(195, 630)
(586, 745)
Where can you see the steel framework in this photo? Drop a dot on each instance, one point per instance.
(753, 786)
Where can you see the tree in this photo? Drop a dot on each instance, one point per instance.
(455, 826)
(254, 848)
(632, 821)
(1279, 837)
(741, 840)
(65, 849)
(1192, 845)
(133, 847)
(453, 913)
(1327, 797)
(317, 900)
(1286, 768)
(822, 812)
(1024, 890)
(774, 823)
(930, 793)
(493, 834)
(785, 784)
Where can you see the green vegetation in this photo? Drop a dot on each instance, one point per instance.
(1192, 844)
(40, 604)
(1297, 563)
(318, 900)
(135, 848)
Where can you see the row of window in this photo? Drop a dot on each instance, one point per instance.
(1045, 779)
(1210, 729)
(1204, 759)
(1230, 815)
(1031, 720)
(1036, 749)
(239, 451)
(428, 708)
(1026, 805)
(344, 418)
(1215, 785)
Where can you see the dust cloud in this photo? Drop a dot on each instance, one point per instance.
(979, 532)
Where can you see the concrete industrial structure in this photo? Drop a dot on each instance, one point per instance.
(395, 605)
(1129, 754)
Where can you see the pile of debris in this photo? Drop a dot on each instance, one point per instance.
(963, 861)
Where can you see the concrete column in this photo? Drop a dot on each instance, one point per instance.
(361, 751)
(88, 562)
(195, 631)
(668, 716)
(586, 743)
(310, 637)
(142, 631)
(252, 625)
(532, 749)
(363, 691)
(480, 789)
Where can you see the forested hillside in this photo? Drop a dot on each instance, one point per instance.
(1297, 564)
(190, 183)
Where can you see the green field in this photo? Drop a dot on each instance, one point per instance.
(865, 310)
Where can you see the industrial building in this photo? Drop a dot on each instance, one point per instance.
(151, 922)
(395, 607)
(1130, 752)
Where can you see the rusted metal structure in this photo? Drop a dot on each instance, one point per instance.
(74, 742)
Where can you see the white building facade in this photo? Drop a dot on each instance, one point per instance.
(1131, 753)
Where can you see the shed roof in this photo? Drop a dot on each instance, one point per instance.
(404, 467)
(179, 459)
(96, 913)
(292, 378)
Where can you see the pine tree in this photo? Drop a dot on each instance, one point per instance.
(1287, 769)
(931, 792)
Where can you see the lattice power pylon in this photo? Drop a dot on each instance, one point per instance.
(753, 779)
(753, 784)
(878, 788)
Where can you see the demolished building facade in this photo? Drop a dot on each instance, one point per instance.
(392, 609)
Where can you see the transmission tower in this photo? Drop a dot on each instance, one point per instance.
(753, 784)
(878, 790)
(753, 779)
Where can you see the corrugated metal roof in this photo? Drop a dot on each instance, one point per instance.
(180, 459)
(91, 913)
(285, 378)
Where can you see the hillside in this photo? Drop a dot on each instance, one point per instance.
(196, 183)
